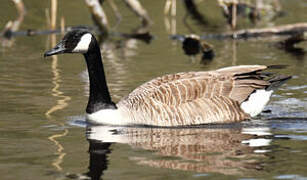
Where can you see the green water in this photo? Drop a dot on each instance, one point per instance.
(42, 101)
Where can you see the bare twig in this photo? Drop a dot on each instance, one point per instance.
(54, 5)
(47, 14)
(140, 11)
(115, 9)
(14, 25)
(62, 25)
(170, 5)
(167, 6)
(234, 14)
(192, 10)
(98, 15)
(174, 7)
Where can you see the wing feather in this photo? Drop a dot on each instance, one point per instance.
(213, 96)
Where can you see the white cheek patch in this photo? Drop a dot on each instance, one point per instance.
(83, 44)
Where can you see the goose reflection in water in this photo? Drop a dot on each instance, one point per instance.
(98, 158)
(230, 151)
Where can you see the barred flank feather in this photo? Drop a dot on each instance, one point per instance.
(195, 97)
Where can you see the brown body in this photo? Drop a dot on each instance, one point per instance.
(194, 97)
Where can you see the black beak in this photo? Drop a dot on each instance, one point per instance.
(58, 49)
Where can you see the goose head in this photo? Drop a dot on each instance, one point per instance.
(83, 42)
(76, 41)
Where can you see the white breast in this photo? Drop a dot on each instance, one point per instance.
(107, 117)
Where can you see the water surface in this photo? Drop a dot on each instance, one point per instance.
(44, 136)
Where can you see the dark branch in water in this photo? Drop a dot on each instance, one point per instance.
(145, 36)
(289, 45)
(289, 29)
(32, 32)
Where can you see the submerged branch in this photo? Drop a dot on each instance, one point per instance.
(289, 29)
(143, 34)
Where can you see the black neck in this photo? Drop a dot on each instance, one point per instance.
(99, 94)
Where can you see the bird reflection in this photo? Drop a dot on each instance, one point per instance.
(98, 158)
(231, 151)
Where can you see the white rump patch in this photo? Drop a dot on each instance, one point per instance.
(256, 102)
(83, 44)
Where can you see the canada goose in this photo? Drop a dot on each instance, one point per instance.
(225, 95)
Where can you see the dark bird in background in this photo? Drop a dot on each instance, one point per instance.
(193, 45)
(207, 51)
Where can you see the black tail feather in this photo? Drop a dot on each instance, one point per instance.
(277, 81)
(277, 66)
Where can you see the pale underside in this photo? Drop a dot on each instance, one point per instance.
(194, 97)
